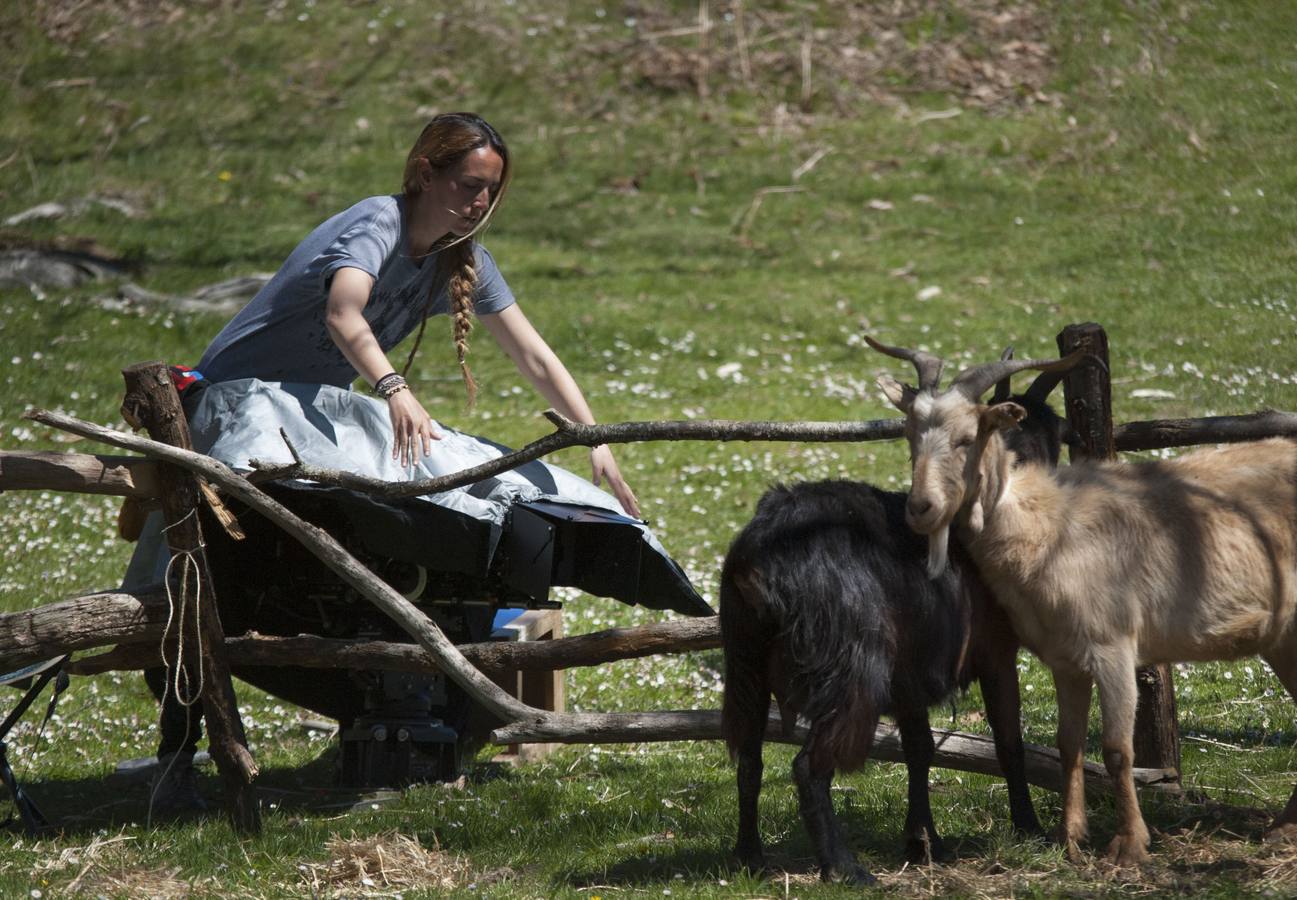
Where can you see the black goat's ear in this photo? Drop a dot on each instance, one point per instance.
(1002, 415)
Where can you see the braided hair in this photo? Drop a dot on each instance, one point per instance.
(444, 141)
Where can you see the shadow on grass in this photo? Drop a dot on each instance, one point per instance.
(1248, 736)
(77, 806)
(695, 864)
(655, 859)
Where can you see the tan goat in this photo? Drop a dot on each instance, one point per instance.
(1104, 567)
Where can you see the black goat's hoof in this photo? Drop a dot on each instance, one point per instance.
(855, 875)
(918, 851)
(1033, 835)
(754, 863)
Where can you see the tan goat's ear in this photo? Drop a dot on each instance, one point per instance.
(901, 395)
(1002, 415)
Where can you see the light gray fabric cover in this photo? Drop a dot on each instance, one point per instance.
(330, 427)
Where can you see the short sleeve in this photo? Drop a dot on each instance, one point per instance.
(491, 294)
(365, 244)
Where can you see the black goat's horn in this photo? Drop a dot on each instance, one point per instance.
(927, 365)
(1002, 387)
(975, 382)
(1044, 385)
(1045, 382)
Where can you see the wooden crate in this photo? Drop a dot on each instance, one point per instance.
(543, 690)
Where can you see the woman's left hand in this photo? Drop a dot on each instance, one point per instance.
(602, 465)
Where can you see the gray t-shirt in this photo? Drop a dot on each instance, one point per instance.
(280, 335)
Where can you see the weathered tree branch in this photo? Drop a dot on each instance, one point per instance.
(132, 477)
(955, 750)
(82, 473)
(1159, 434)
(80, 623)
(480, 688)
(138, 649)
(574, 434)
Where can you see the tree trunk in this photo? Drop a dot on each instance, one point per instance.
(151, 402)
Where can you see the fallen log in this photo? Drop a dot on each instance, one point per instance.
(139, 650)
(135, 622)
(955, 749)
(80, 623)
(1159, 434)
(81, 473)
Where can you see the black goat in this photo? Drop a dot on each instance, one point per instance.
(826, 602)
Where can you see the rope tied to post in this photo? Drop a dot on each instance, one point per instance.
(188, 572)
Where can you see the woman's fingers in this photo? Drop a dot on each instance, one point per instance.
(427, 435)
(412, 429)
(398, 438)
(626, 497)
(603, 466)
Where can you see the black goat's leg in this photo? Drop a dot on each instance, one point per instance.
(998, 676)
(921, 839)
(814, 779)
(747, 848)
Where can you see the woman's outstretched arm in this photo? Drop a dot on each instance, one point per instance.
(519, 339)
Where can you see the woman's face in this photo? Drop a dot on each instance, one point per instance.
(458, 197)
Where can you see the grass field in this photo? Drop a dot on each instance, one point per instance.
(703, 223)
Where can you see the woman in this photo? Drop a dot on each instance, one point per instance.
(357, 286)
(362, 281)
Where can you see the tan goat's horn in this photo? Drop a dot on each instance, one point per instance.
(927, 365)
(975, 382)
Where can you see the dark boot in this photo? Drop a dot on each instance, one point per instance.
(173, 792)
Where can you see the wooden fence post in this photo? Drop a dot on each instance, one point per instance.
(151, 402)
(1088, 395)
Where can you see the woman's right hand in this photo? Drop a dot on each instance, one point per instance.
(411, 426)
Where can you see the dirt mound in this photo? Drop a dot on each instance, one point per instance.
(982, 52)
(66, 21)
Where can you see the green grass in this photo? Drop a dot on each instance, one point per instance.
(1151, 193)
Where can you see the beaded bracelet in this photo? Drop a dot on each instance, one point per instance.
(390, 384)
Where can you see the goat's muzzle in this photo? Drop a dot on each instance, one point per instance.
(917, 509)
(922, 515)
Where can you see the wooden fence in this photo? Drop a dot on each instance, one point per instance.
(168, 471)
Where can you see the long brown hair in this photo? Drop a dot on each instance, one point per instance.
(444, 142)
